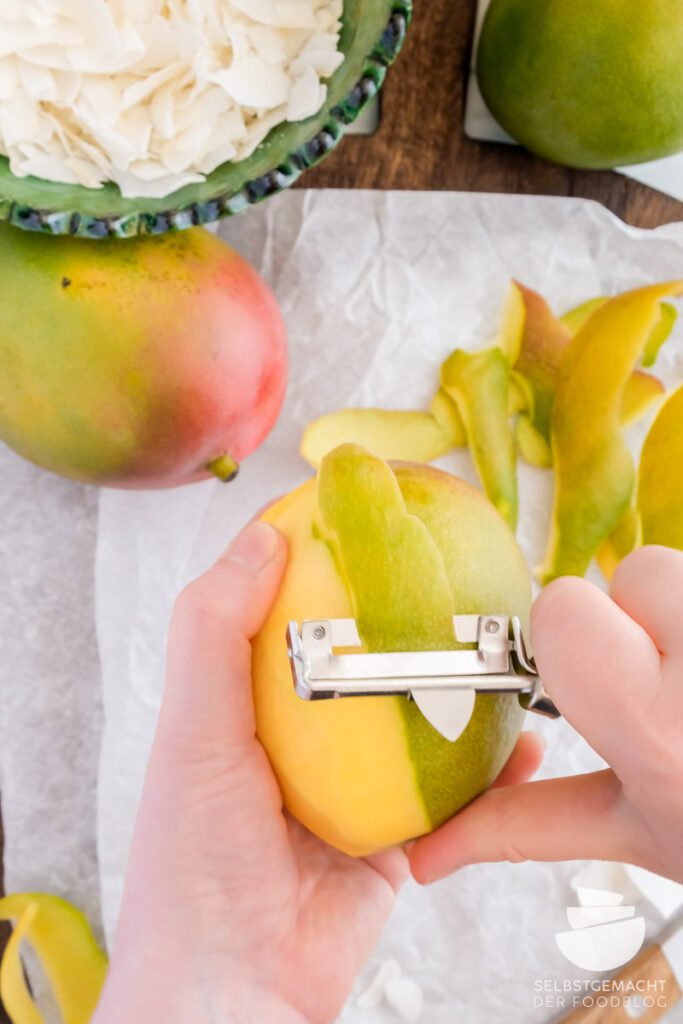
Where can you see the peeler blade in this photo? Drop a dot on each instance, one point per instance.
(449, 711)
(489, 657)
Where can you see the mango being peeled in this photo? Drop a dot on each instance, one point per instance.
(402, 549)
(143, 363)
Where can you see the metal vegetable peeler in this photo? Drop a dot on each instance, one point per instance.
(443, 684)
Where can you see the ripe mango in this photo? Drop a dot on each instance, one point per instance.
(142, 363)
(401, 548)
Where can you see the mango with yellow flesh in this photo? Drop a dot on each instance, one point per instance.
(660, 477)
(402, 548)
(594, 472)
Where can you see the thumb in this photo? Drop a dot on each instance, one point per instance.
(208, 699)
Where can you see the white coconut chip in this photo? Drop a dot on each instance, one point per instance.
(405, 997)
(155, 94)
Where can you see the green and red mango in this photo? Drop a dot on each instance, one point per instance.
(142, 363)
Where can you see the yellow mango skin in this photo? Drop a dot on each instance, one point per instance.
(619, 544)
(542, 346)
(642, 389)
(15, 996)
(445, 412)
(74, 964)
(594, 471)
(543, 342)
(660, 480)
(350, 770)
(389, 433)
(479, 384)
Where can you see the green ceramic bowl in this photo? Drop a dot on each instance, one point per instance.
(372, 35)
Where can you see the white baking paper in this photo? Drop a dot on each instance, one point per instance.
(50, 693)
(376, 290)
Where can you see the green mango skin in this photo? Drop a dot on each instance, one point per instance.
(479, 384)
(416, 546)
(587, 83)
(136, 363)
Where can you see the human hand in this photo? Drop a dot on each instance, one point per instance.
(233, 911)
(614, 667)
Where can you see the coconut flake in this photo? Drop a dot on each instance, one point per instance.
(155, 94)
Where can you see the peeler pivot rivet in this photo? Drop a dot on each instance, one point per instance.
(319, 632)
(492, 626)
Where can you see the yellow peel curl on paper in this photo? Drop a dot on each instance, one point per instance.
(72, 961)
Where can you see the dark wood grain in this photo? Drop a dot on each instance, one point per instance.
(420, 143)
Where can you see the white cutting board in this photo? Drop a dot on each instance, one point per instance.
(665, 175)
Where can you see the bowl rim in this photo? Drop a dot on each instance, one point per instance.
(59, 220)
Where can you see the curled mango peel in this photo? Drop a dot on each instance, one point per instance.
(16, 997)
(542, 345)
(72, 961)
(594, 472)
(660, 479)
(479, 384)
(625, 538)
(389, 433)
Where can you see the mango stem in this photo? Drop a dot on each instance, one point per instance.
(223, 467)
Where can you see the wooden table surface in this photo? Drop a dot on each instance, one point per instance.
(420, 143)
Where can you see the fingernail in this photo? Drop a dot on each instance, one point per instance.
(255, 547)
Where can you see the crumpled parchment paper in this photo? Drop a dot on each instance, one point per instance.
(376, 289)
(50, 692)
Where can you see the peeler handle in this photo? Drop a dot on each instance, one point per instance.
(649, 966)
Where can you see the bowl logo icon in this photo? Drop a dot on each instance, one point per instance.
(604, 934)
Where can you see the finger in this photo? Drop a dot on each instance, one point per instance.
(392, 865)
(572, 818)
(648, 585)
(208, 697)
(524, 761)
(599, 666)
